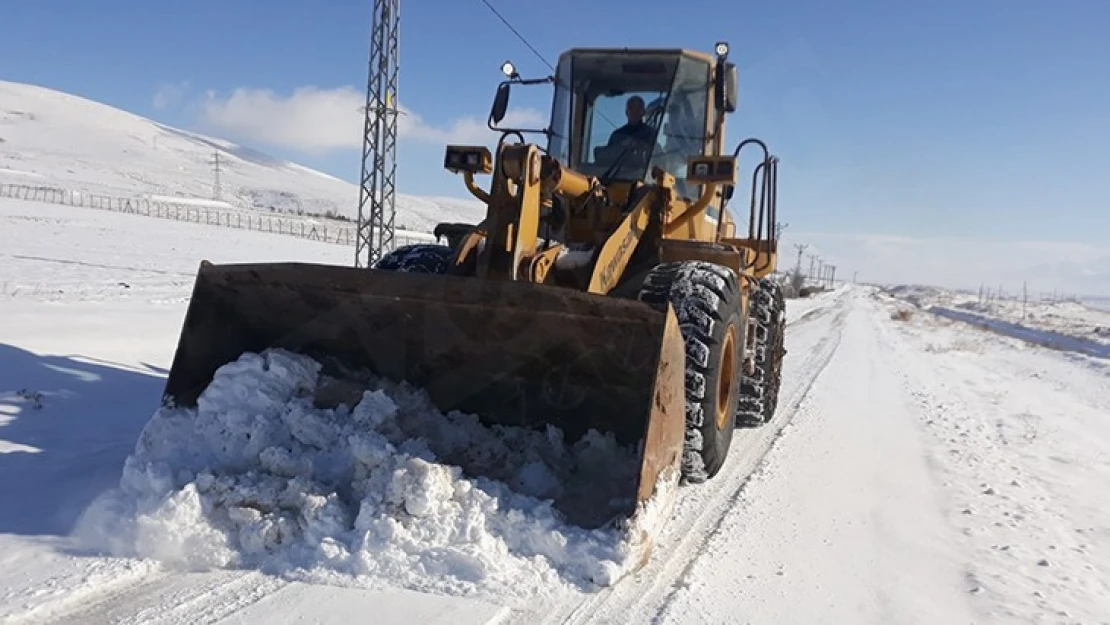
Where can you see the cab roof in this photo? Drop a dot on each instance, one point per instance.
(675, 52)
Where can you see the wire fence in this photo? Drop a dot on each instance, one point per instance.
(244, 219)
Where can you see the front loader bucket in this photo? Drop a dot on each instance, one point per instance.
(512, 353)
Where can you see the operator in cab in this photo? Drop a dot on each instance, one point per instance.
(635, 130)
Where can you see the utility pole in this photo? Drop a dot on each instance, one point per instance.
(801, 247)
(378, 183)
(832, 277)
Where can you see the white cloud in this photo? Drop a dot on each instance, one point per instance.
(958, 262)
(317, 120)
(311, 119)
(170, 95)
(467, 130)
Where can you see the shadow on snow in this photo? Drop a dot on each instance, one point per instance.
(66, 426)
(1044, 338)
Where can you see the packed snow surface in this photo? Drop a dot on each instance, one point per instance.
(258, 476)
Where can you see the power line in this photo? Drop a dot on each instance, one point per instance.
(536, 52)
(518, 35)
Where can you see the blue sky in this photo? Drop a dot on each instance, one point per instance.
(986, 119)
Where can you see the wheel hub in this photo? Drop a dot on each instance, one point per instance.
(725, 388)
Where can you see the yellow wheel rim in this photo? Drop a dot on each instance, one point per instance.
(725, 388)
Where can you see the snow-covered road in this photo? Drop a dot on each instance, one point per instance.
(842, 523)
(935, 473)
(918, 471)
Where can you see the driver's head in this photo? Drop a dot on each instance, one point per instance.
(634, 109)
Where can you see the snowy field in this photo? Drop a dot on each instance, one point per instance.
(1097, 303)
(918, 471)
(60, 140)
(1082, 320)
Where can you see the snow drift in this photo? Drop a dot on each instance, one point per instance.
(259, 475)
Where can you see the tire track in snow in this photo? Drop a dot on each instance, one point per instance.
(168, 598)
(701, 508)
(843, 522)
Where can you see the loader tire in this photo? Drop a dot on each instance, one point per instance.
(776, 351)
(417, 258)
(759, 388)
(706, 300)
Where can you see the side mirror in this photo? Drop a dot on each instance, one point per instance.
(500, 103)
(726, 86)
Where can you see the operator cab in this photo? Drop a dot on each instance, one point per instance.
(618, 113)
(599, 94)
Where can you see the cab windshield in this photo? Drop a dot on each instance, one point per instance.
(617, 116)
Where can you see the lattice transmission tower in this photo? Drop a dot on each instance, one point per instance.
(377, 193)
(216, 176)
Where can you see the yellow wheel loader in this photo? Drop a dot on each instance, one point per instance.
(607, 287)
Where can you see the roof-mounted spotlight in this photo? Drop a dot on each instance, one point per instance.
(722, 48)
(509, 70)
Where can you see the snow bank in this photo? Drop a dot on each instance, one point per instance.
(259, 475)
(1081, 321)
(1043, 338)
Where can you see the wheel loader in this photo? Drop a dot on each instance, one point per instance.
(607, 287)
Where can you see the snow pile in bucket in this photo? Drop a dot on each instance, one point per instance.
(257, 475)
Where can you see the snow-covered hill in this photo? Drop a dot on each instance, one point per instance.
(61, 140)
